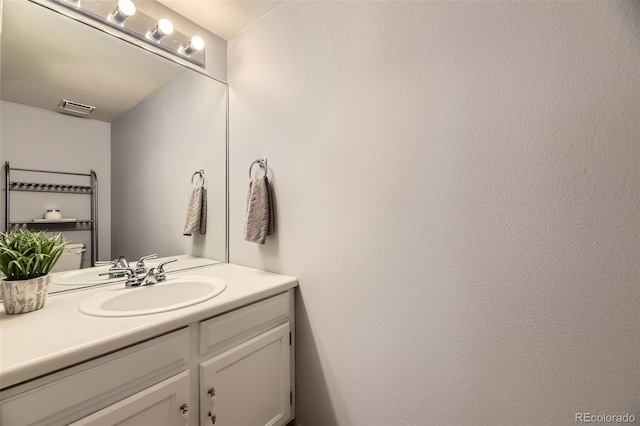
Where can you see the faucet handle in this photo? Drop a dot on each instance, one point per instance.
(147, 257)
(163, 264)
(140, 266)
(159, 272)
(122, 261)
(113, 268)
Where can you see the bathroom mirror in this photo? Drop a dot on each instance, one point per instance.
(155, 124)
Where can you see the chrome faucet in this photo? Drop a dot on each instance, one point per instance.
(132, 277)
(140, 266)
(153, 276)
(119, 263)
(159, 274)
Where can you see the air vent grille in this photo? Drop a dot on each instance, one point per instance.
(76, 107)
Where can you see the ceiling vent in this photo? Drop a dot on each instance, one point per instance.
(75, 107)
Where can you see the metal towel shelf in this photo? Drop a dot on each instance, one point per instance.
(77, 225)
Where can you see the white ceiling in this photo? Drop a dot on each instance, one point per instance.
(225, 18)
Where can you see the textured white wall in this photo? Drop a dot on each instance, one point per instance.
(36, 138)
(457, 189)
(156, 147)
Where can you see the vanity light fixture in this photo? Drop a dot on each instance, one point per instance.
(126, 19)
(124, 9)
(164, 27)
(196, 43)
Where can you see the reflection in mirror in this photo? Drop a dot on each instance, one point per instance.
(155, 123)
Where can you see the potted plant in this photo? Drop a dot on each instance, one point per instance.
(26, 257)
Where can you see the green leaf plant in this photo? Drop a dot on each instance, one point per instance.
(27, 254)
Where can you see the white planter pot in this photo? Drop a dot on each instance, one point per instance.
(19, 297)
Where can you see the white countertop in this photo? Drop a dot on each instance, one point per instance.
(59, 335)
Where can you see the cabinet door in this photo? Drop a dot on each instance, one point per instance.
(159, 405)
(250, 383)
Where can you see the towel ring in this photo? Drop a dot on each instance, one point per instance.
(198, 173)
(262, 162)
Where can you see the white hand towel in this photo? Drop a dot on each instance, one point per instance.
(259, 220)
(196, 220)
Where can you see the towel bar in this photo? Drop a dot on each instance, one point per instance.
(198, 173)
(262, 162)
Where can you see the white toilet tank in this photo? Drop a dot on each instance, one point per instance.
(71, 258)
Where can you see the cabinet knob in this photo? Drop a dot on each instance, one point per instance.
(184, 408)
(212, 392)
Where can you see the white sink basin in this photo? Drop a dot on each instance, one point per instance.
(174, 293)
(90, 276)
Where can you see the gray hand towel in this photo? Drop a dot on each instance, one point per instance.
(259, 220)
(196, 220)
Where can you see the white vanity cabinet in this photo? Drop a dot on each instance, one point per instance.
(248, 380)
(233, 369)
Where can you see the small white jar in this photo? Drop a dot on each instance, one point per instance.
(53, 215)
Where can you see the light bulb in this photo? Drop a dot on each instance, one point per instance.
(164, 27)
(125, 9)
(196, 43)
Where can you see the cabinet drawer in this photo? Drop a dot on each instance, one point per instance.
(98, 383)
(163, 404)
(224, 331)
